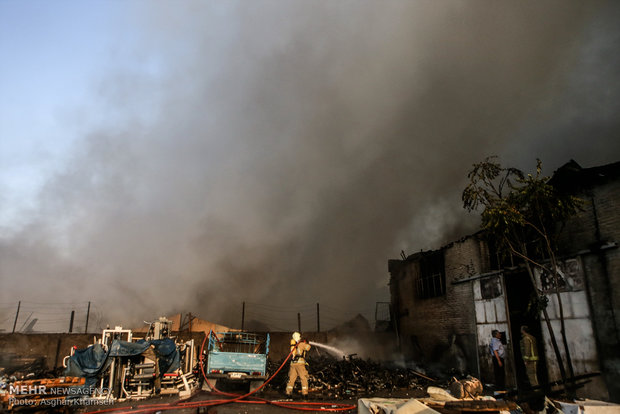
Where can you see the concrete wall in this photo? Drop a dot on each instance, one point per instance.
(19, 349)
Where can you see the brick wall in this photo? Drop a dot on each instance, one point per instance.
(602, 272)
(427, 326)
(607, 202)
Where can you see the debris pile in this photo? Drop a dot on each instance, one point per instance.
(468, 387)
(20, 367)
(352, 377)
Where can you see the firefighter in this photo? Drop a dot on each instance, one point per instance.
(529, 352)
(299, 347)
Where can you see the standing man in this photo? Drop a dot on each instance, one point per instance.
(299, 348)
(497, 353)
(529, 352)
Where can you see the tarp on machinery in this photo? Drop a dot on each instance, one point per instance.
(92, 362)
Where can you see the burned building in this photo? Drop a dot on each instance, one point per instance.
(446, 302)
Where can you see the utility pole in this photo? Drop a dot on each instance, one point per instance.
(243, 316)
(87, 315)
(318, 318)
(71, 323)
(17, 315)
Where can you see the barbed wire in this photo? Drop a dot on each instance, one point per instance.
(56, 316)
(35, 316)
(278, 308)
(290, 317)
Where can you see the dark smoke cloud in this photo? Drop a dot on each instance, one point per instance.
(281, 151)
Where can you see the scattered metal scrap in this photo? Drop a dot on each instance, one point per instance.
(24, 367)
(351, 377)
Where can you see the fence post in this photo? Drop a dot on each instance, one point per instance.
(16, 315)
(71, 323)
(243, 316)
(318, 319)
(87, 315)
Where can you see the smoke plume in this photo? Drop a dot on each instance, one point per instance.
(280, 152)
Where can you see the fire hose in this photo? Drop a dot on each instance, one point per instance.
(235, 398)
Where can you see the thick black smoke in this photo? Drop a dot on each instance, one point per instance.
(280, 152)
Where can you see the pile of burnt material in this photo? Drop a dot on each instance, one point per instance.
(16, 367)
(352, 377)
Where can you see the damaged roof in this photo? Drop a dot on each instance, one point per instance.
(572, 177)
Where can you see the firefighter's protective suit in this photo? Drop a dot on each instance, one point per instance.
(298, 364)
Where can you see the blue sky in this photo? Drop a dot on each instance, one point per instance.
(52, 56)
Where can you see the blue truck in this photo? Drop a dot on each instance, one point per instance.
(237, 356)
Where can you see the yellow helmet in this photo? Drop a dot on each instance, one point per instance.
(296, 336)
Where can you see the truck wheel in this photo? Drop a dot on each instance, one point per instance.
(255, 384)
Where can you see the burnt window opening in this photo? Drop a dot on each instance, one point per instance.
(490, 288)
(431, 281)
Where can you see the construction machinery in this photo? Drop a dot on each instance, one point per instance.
(120, 366)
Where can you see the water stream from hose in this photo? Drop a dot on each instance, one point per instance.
(335, 351)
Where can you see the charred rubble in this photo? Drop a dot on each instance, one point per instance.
(349, 377)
